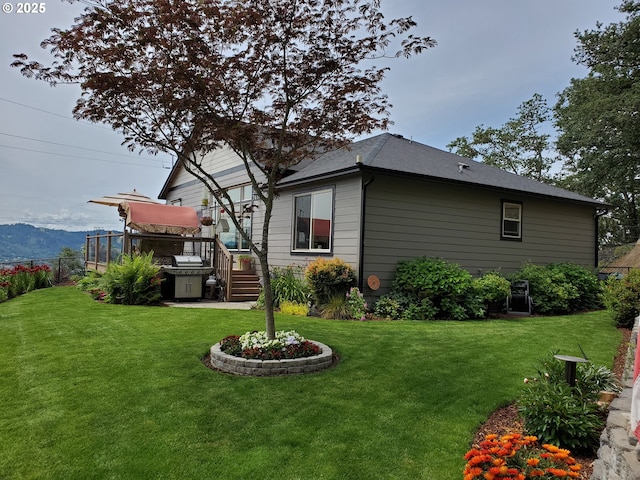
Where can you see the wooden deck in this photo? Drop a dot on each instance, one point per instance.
(235, 285)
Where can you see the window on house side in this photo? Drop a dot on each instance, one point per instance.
(511, 221)
(242, 198)
(313, 221)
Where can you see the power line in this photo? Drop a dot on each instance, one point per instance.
(83, 158)
(52, 113)
(79, 148)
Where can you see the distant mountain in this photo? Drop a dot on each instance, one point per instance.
(21, 241)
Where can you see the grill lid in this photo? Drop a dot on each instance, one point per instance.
(186, 261)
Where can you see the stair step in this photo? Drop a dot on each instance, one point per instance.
(245, 286)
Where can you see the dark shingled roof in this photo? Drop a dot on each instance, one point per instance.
(395, 154)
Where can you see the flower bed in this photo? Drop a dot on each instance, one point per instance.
(21, 279)
(515, 456)
(255, 354)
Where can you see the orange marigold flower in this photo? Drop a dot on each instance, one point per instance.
(491, 436)
(558, 472)
(575, 467)
(472, 453)
(533, 462)
(536, 473)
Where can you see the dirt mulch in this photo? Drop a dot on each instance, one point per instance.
(507, 419)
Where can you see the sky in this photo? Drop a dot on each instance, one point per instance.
(492, 55)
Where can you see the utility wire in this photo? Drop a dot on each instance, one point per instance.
(54, 114)
(83, 158)
(79, 148)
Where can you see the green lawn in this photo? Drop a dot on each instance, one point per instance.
(101, 391)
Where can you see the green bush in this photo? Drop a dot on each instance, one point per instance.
(492, 288)
(551, 291)
(393, 305)
(561, 288)
(585, 281)
(135, 281)
(447, 287)
(92, 284)
(357, 304)
(622, 298)
(563, 415)
(288, 284)
(423, 309)
(329, 279)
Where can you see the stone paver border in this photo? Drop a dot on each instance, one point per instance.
(267, 368)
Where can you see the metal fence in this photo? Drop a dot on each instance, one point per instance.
(63, 269)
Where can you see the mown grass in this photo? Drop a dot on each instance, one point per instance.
(101, 391)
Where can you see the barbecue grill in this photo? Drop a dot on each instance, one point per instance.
(185, 276)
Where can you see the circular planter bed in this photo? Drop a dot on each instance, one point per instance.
(266, 368)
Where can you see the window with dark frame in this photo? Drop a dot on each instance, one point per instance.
(313, 223)
(511, 220)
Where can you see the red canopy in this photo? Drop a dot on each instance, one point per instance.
(159, 218)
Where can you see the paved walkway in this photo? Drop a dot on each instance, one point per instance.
(206, 303)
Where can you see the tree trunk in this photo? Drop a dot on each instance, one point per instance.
(270, 326)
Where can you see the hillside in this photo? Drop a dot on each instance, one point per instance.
(21, 241)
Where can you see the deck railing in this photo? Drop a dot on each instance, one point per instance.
(223, 266)
(102, 249)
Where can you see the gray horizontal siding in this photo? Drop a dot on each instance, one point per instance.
(346, 224)
(407, 219)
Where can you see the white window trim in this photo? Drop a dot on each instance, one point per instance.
(503, 234)
(293, 223)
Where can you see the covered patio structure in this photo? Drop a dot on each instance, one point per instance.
(167, 231)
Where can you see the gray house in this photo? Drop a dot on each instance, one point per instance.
(387, 198)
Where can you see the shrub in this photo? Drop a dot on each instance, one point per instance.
(622, 298)
(288, 284)
(585, 281)
(135, 281)
(551, 291)
(356, 303)
(563, 415)
(492, 288)
(421, 310)
(92, 284)
(446, 286)
(329, 278)
(393, 305)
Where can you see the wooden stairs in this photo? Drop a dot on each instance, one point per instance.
(245, 286)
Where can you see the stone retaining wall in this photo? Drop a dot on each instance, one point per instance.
(618, 455)
(265, 368)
